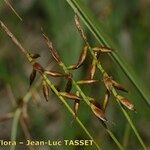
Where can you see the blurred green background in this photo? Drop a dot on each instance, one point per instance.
(127, 25)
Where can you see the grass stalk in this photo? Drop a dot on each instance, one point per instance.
(102, 41)
(123, 65)
(18, 111)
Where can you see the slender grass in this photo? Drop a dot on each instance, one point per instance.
(16, 118)
(86, 99)
(123, 65)
(102, 41)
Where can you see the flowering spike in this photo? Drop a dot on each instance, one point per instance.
(69, 95)
(32, 76)
(118, 86)
(86, 81)
(102, 49)
(52, 49)
(45, 89)
(124, 101)
(107, 81)
(96, 108)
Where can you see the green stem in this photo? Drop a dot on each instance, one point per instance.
(123, 65)
(115, 140)
(126, 136)
(15, 127)
(123, 110)
(18, 111)
(69, 109)
(86, 99)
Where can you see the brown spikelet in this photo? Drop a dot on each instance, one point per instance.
(45, 89)
(93, 68)
(69, 95)
(86, 81)
(124, 101)
(96, 108)
(106, 100)
(107, 81)
(102, 49)
(52, 49)
(118, 86)
(55, 74)
(34, 56)
(77, 23)
(76, 105)
(32, 76)
(81, 59)
(38, 67)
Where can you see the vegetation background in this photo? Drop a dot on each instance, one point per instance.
(125, 22)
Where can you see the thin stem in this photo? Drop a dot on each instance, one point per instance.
(9, 5)
(114, 92)
(86, 99)
(115, 140)
(15, 127)
(126, 135)
(69, 109)
(25, 52)
(123, 65)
